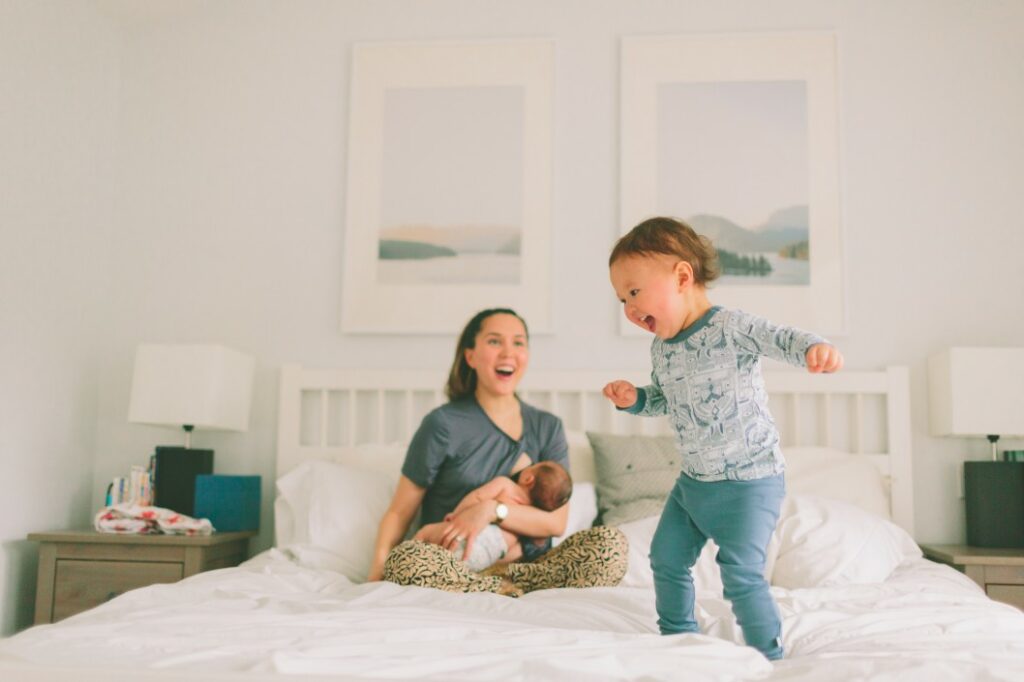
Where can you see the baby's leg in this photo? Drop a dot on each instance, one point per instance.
(489, 547)
(674, 550)
(514, 550)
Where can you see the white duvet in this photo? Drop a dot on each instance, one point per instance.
(271, 615)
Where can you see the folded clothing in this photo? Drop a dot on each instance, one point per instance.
(136, 519)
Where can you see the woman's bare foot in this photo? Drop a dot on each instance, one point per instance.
(508, 589)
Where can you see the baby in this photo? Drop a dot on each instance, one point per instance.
(545, 485)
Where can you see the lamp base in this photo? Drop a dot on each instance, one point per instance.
(994, 495)
(175, 477)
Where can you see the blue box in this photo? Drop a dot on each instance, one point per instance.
(230, 502)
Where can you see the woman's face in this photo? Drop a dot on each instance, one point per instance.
(500, 355)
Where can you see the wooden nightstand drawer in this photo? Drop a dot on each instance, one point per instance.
(1011, 575)
(1009, 594)
(81, 585)
(1000, 572)
(82, 569)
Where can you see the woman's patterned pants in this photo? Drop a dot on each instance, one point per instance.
(595, 557)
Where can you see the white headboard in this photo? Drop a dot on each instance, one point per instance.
(324, 412)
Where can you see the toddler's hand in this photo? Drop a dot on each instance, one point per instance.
(622, 393)
(822, 357)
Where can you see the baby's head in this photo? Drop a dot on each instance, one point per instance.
(549, 485)
(656, 267)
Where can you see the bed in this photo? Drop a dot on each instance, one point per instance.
(858, 601)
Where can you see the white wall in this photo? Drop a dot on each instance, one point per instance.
(58, 79)
(228, 222)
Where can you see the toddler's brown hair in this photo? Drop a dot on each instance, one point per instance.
(670, 237)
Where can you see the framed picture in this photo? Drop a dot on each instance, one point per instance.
(449, 185)
(738, 136)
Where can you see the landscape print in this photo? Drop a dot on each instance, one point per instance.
(452, 186)
(774, 252)
(733, 162)
(450, 254)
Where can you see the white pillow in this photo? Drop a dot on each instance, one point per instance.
(322, 507)
(837, 475)
(335, 525)
(582, 511)
(706, 575)
(824, 542)
(295, 489)
(581, 457)
(291, 507)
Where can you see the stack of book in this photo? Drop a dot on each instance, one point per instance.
(136, 488)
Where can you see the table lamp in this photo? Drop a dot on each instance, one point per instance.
(975, 392)
(189, 387)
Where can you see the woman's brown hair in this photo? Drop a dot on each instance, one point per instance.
(673, 238)
(462, 377)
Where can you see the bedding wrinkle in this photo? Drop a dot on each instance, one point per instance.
(925, 623)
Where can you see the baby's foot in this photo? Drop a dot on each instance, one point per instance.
(508, 589)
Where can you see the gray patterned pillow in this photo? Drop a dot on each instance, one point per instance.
(634, 475)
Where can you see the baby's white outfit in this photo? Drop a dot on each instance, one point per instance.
(488, 548)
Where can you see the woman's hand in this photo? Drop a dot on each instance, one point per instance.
(466, 525)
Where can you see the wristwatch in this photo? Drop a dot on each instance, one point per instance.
(500, 512)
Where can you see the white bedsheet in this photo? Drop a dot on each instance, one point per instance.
(270, 615)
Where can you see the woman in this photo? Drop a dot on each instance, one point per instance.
(482, 432)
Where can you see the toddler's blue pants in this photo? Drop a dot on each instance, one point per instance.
(740, 517)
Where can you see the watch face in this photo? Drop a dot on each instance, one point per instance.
(501, 511)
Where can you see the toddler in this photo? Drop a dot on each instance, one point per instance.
(545, 485)
(707, 377)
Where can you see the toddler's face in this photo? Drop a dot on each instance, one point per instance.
(649, 290)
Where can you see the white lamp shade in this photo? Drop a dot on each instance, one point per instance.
(206, 386)
(977, 392)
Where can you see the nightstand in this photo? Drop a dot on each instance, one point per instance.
(1000, 572)
(82, 569)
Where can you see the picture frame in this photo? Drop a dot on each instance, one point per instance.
(737, 135)
(449, 185)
